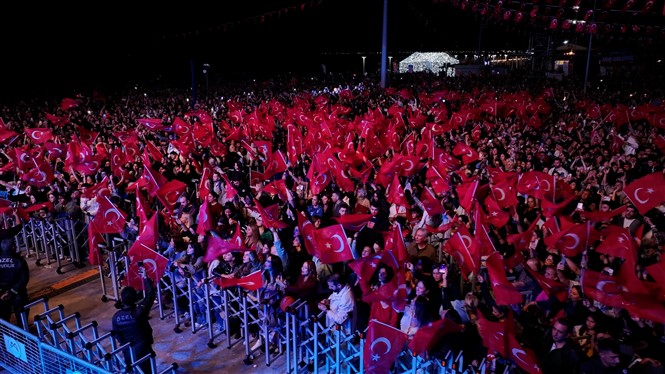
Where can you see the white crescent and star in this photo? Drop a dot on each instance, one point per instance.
(375, 355)
(340, 242)
(637, 198)
(115, 212)
(576, 241)
(503, 193)
(34, 134)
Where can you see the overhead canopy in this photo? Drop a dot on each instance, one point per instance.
(432, 61)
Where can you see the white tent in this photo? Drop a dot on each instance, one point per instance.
(431, 61)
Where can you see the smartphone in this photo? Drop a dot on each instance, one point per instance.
(580, 206)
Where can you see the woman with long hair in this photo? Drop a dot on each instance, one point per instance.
(377, 293)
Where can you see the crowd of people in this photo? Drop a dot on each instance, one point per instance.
(400, 158)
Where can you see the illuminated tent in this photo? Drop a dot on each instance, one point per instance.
(430, 61)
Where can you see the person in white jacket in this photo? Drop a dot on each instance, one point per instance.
(339, 306)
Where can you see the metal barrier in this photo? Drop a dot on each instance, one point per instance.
(51, 241)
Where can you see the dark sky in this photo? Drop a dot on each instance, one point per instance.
(70, 46)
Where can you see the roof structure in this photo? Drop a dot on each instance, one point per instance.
(431, 61)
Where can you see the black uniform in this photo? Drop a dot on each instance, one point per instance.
(131, 325)
(14, 277)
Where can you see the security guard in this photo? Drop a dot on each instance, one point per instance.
(130, 323)
(14, 277)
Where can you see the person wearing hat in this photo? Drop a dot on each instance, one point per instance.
(130, 323)
(14, 277)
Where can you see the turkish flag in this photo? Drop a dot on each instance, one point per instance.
(277, 187)
(109, 219)
(6, 135)
(468, 154)
(57, 121)
(98, 190)
(87, 136)
(39, 135)
(397, 245)
(395, 193)
(465, 250)
(430, 202)
(602, 288)
(40, 175)
(437, 181)
(180, 127)
(504, 194)
(152, 180)
(203, 219)
(270, 216)
(602, 216)
(500, 337)
(495, 216)
(549, 286)
(573, 240)
(618, 242)
(274, 164)
(94, 239)
(353, 222)
(521, 241)
(68, 103)
(330, 245)
(218, 246)
(504, 292)
(427, 336)
(550, 209)
(467, 194)
(647, 192)
(154, 152)
(154, 264)
(383, 345)
(251, 282)
(142, 210)
(169, 193)
(153, 124)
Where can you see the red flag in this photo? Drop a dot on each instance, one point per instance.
(203, 220)
(94, 239)
(430, 202)
(154, 152)
(382, 347)
(39, 135)
(468, 154)
(169, 193)
(142, 211)
(647, 192)
(549, 286)
(353, 222)
(465, 250)
(395, 193)
(574, 240)
(495, 216)
(218, 246)
(467, 194)
(521, 241)
(270, 216)
(68, 103)
(427, 336)
(330, 245)
(618, 242)
(153, 124)
(99, 190)
(277, 187)
(152, 180)
(274, 164)
(109, 219)
(154, 264)
(602, 216)
(504, 292)
(251, 282)
(397, 243)
(602, 288)
(500, 337)
(57, 121)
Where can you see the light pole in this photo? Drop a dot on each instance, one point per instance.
(206, 68)
(364, 57)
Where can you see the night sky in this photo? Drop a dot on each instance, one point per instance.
(61, 47)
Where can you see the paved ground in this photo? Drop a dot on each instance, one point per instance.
(80, 290)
